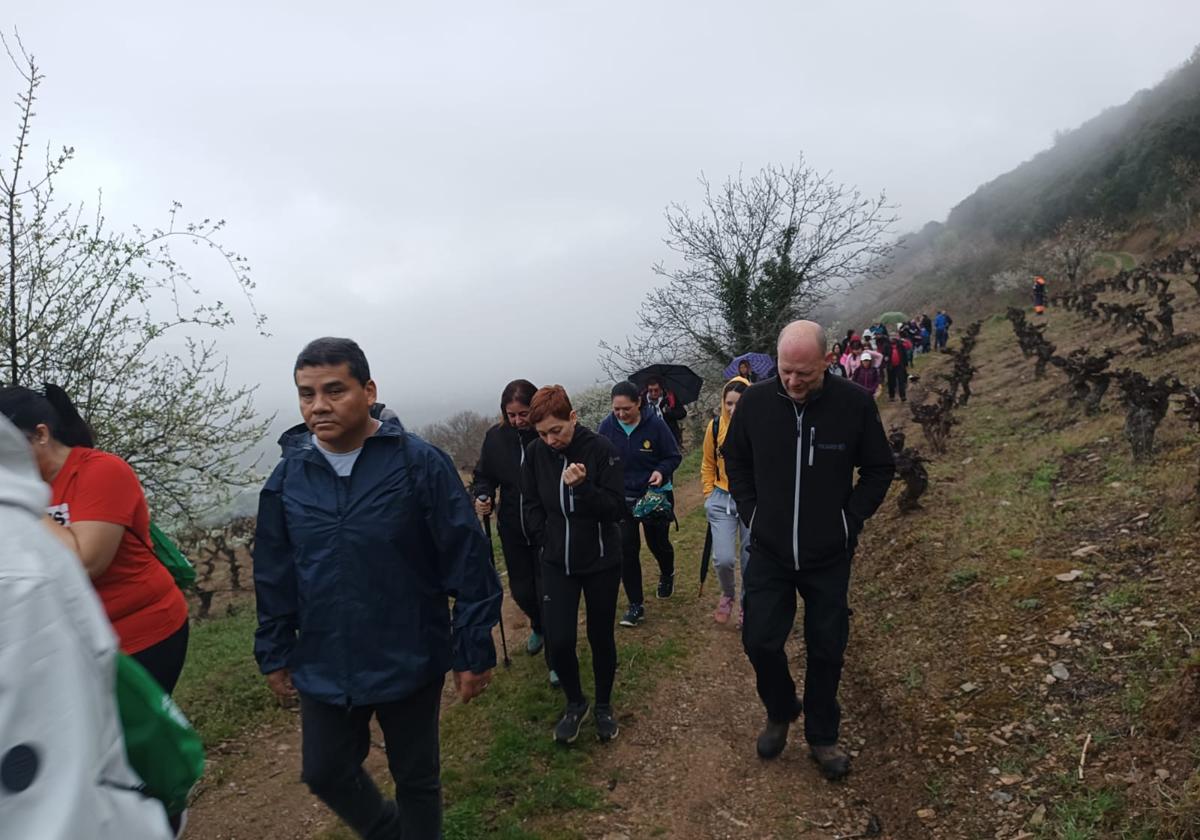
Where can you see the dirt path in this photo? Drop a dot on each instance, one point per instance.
(687, 766)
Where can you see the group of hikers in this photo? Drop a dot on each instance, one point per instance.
(374, 578)
(874, 356)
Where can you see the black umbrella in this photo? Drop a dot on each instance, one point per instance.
(680, 380)
(705, 557)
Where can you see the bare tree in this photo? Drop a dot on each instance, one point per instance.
(119, 323)
(460, 437)
(1074, 246)
(759, 253)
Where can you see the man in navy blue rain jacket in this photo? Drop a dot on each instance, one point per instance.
(364, 533)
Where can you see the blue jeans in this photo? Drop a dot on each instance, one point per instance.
(721, 511)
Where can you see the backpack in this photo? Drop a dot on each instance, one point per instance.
(170, 556)
(162, 747)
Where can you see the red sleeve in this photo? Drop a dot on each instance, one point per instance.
(106, 490)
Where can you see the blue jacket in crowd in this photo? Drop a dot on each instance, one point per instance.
(650, 447)
(353, 575)
(942, 322)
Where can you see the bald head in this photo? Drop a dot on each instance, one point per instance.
(802, 358)
(802, 337)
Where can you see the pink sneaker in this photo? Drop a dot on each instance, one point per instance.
(724, 608)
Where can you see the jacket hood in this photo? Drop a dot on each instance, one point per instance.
(20, 484)
(725, 411)
(299, 437)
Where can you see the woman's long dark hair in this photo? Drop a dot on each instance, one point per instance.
(27, 409)
(519, 390)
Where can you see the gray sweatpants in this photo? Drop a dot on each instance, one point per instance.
(721, 511)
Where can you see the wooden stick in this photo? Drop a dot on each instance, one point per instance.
(1083, 755)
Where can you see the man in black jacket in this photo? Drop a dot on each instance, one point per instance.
(790, 455)
(666, 405)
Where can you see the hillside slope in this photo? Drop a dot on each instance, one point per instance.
(1011, 700)
(1135, 166)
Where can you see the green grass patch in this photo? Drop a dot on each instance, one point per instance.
(1124, 596)
(1083, 816)
(960, 579)
(1044, 477)
(221, 690)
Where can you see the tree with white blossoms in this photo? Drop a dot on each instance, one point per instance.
(118, 321)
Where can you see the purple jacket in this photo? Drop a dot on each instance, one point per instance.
(866, 377)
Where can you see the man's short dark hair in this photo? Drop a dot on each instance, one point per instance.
(328, 351)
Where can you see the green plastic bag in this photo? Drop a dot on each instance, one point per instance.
(653, 505)
(170, 556)
(162, 747)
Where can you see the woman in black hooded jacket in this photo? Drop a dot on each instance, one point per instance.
(574, 491)
(499, 468)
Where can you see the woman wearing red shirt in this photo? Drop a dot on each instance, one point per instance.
(99, 511)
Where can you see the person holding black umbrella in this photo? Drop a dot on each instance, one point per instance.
(664, 402)
(573, 498)
(651, 455)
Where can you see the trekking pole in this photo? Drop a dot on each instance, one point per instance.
(487, 529)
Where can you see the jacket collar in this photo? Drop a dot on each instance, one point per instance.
(299, 439)
(825, 379)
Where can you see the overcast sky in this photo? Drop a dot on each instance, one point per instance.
(474, 191)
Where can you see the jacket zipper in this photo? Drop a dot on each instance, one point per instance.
(562, 501)
(812, 444)
(600, 533)
(846, 529)
(521, 495)
(799, 468)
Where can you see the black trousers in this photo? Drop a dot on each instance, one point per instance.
(897, 379)
(561, 611)
(658, 538)
(336, 740)
(770, 614)
(524, 576)
(164, 660)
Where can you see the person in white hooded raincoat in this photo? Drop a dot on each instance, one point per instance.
(63, 771)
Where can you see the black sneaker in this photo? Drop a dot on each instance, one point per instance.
(666, 586)
(567, 728)
(633, 616)
(606, 724)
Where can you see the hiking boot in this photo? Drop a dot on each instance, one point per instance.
(833, 761)
(534, 644)
(606, 724)
(774, 735)
(724, 608)
(567, 728)
(666, 586)
(554, 681)
(633, 616)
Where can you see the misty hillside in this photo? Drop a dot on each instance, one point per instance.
(1135, 165)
